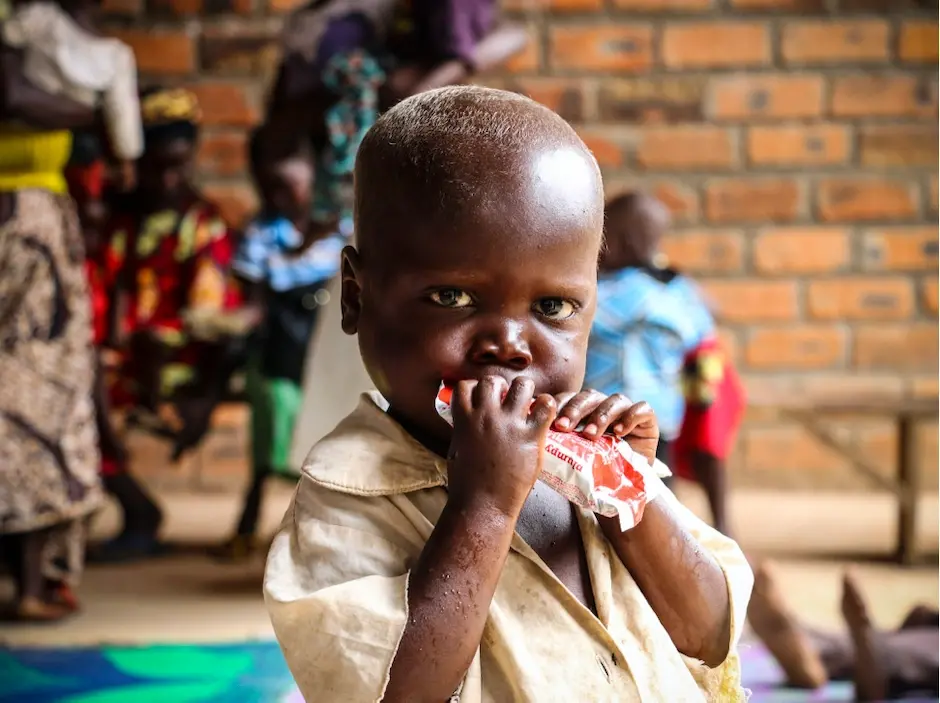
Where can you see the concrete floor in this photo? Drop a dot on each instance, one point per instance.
(186, 597)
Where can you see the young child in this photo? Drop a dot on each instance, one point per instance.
(883, 664)
(63, 55)
(285, 262)
(419, 562)
(654, 338)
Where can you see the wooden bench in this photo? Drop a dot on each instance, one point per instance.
(905, 414)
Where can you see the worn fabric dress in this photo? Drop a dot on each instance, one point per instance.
(48, 438)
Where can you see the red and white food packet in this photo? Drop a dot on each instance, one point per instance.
(603, 475)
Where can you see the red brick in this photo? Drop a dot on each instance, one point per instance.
(791, 454)
(681, 199)
(729, 342)
(160, 52)
(798, 145)
(883, 95)
(653, 99)
(602, 47)
(557, 5)
(250, 50)
(562, 95)
(715, 44)
(222, 154)
(794, 250)
(741, 301)
(227, 104)
(902, 347)
(236, 201)
(753, 200)
(781, 5)
(529, 59)
(705, 251)
(285, 6)
(928, 295)
(899, 145)
(800, 347)
(688, 148)
(828, 42)
(860, 298)
(932, 193)
(663, 5)
(860, 199)
(608, 151)
(901, 249)
(773, 96)
(918, 41)
(768, 390)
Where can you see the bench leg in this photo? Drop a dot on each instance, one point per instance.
(908, 491)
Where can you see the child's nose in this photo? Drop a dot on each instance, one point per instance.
(504, 347)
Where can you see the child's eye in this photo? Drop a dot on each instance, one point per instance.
(555, 308)
(451, 298)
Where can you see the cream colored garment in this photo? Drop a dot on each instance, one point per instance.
(63, 59)
(334, 378)
(336, 590)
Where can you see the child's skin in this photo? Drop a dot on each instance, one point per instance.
(486, 276)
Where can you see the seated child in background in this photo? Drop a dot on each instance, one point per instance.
(417, 561)
(63, 55)
(654, 338)
(285, 262)
(883, 664)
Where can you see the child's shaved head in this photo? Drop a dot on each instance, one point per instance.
(479, 218)
(634, 224)
(443, 154)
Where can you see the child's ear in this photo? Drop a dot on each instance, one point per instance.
(351, 290)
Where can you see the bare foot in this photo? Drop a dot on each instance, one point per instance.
(31, 609)
(870, 683)
(782, 634)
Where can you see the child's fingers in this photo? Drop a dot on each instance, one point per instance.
(543, 412)
(576, 408)
(519, 397)
(610, 410)
(638, 420)
(462, 400)
(489, 392)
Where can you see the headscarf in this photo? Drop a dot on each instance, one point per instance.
(305, 28)
(169, 114)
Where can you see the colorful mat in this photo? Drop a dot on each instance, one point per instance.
(252, 672)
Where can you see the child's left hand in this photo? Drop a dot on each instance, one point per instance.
(634, 422)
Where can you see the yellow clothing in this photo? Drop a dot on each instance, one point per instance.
(337, 576)
(31, 159)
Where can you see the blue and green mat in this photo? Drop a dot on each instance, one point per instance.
(250, 672)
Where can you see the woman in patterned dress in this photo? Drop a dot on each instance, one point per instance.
(48, 441)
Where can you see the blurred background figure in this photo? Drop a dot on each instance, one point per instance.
(882, 664)
(654, 338)
(49, 479)
(164, 264)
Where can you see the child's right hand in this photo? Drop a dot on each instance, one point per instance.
(496, 448)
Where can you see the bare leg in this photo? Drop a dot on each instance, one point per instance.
(781, 633)
(871, 682)
(713, 478)
(31, 585)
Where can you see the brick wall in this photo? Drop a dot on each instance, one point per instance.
(795, 141)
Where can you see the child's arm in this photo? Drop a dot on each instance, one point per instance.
(683, 582)
(494, 464)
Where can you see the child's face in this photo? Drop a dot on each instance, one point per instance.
(286, 187)
(505, 289)
(164, 171)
